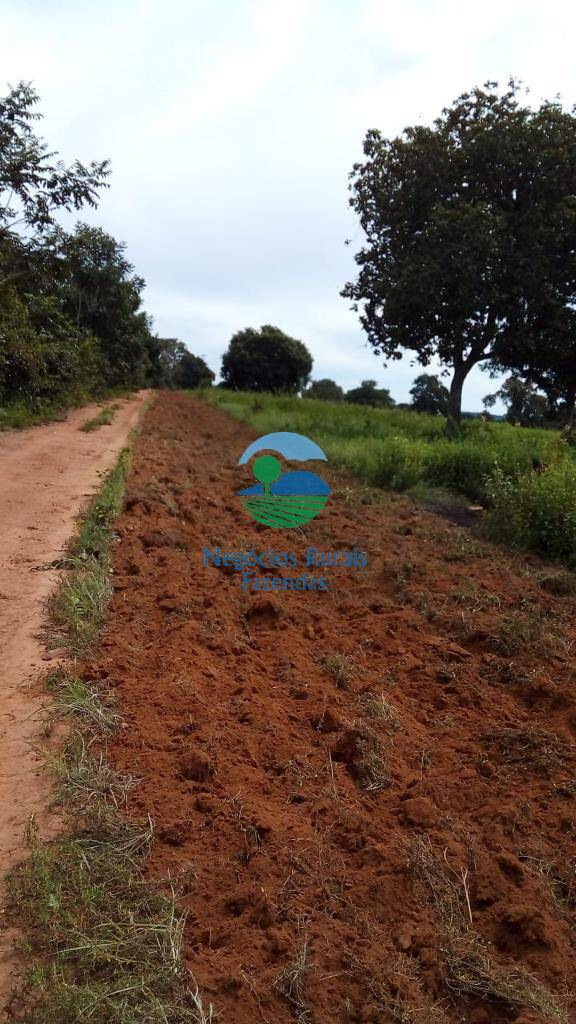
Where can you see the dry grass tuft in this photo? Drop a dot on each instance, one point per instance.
(470, 967)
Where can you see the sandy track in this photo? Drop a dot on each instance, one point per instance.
(46, 476)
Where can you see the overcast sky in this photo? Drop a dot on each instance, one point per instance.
(232, 126)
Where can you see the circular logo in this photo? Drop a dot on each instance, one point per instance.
(283, 498)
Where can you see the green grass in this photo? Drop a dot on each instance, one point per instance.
(103, 419)
(102, 942)
(489, 463)
(79, 607)
(21, 414)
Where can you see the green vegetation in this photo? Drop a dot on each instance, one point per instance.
(79, 607)
(266, 360)
(492, 463)
(103, 419)
(104, 943)
(71, 323)
(506, 297)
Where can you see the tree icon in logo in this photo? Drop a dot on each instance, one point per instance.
(267, 469)
(284, 498)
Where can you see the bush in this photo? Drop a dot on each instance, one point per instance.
(538, 511)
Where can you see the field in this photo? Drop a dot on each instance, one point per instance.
(361, 800)
(490, 463)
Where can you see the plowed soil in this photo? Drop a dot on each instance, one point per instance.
(367, 795)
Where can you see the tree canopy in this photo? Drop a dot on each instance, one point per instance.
(266, 360)
(470, 235)
(325, 390)
(192, 372)
(71, 322)
(429, 395)
(525, 406)
(369, 394)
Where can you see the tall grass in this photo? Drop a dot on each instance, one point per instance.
(491, 463)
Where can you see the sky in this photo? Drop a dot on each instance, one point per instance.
(232, 126)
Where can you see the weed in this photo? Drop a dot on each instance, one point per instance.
(103, 419)
(364, 755)
(73, 696)
(561, 880)
(78, 609)
(470, 967)
(532, 630)
(488, 463)
(560, 584)
(530, 748)
(340, 668)
(377, 705)
(292, 983)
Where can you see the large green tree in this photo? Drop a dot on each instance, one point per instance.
(470, 235)
(266, 360)
(429, 395)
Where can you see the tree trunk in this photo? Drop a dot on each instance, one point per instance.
(568, 424)
(455, 398)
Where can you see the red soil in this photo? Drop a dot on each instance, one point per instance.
(254, 748)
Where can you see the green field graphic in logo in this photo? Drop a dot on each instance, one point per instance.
(283, 498)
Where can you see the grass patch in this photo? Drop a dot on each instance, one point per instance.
(103, 419)
(73, 697)
(340, 668)
(377, 705)
(470, 967)
(105, 943)
(487, 463)
(20, 415)
(292, 984)
(79, 607)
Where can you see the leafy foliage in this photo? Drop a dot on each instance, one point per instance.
(266, 360)
(71, 323)
(488, 462)
(525, 406)
(369, 394)
(471, 237)
(192, 372)
(325, 389)
(32, 186)
(429, 395)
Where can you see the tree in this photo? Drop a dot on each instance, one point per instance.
(165, 355)
(525, 406)
(470, 235)
(103, 295)
(325, 390)
(429, 395)
(266, 360)
(369, 394)
(192, 372)
(32, 187)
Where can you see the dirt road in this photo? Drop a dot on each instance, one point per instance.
(366, 793)
(47, 474)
